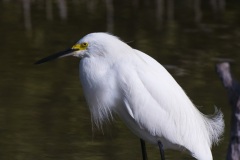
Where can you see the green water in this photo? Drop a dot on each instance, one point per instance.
(43, 114)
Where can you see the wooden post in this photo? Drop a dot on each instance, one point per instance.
(233, 89)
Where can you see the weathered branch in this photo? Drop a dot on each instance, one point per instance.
(233, 88)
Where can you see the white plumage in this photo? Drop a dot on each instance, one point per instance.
(119, 79)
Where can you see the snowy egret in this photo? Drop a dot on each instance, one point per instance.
(119, 79)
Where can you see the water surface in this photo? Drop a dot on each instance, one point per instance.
(43, 114)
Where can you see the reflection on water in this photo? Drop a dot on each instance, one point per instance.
(43, 114)
(164, 10)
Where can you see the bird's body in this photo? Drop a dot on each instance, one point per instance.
(121, 80)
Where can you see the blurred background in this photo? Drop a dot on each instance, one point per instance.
(43, 114)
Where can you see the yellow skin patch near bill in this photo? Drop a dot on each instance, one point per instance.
(81, 46)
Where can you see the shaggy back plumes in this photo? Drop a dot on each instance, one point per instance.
(215, 126)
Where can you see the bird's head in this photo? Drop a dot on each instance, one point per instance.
(90, 45)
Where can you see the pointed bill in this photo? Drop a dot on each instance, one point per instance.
(61, 54)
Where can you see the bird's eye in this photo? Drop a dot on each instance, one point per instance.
(84, 44)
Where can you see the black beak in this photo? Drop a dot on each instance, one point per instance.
(65, 53)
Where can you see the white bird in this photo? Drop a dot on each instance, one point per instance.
(119, 79)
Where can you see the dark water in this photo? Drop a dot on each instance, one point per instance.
(43, 114)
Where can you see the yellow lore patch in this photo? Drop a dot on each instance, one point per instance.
(81, 46)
